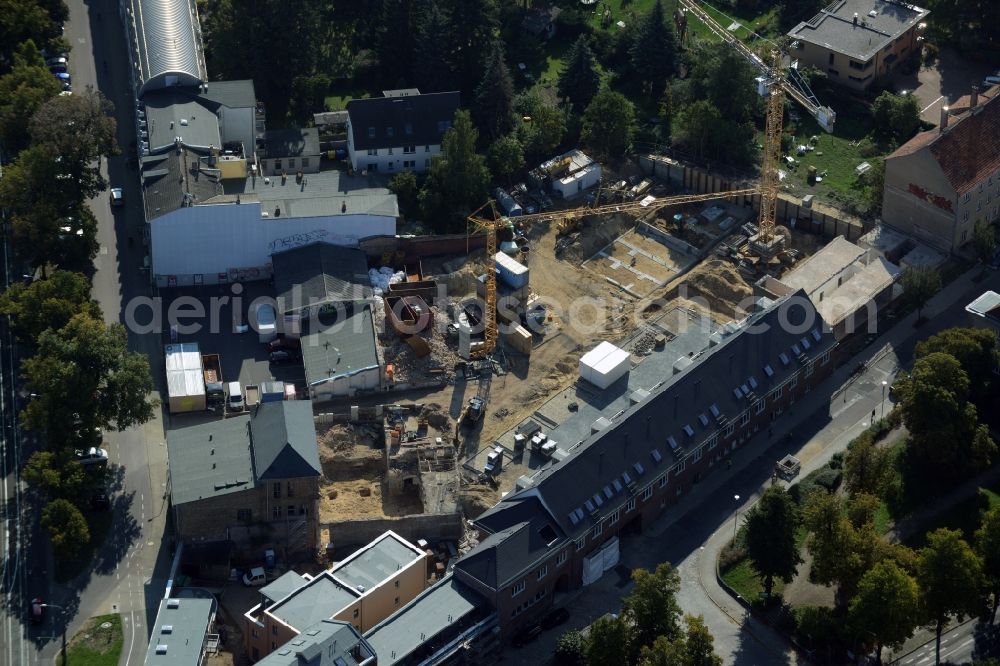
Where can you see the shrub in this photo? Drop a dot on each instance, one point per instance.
(732, 554)
(569, 649)
(829, 478)
(837, 461)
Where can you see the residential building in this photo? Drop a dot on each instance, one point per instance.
(340, 354)
(559, 529)
(857, 42)
(942, 181)
(326, 643)
(289, 151)
(400, 131)
(183, 633)
(847, 285)
(363, 590)
(248, 479)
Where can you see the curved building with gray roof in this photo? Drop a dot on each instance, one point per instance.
(166, 44)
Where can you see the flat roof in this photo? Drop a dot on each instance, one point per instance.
(209, 460)
(878, 23)
(377, 562)
(326, 643)
(329, 192)
(987, 305)
(178, 636)
(857, 291)
(319, 599)
(284, 585)
(824, 265)
(432, 612)
(185, 375)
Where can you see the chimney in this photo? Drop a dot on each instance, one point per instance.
(974, 97)
(855, 18)
(944, 118)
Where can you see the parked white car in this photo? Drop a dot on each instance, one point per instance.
(92, 456)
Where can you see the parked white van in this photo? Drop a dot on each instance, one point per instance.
(235, 402)
(255, 577)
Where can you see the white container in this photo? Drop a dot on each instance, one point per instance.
(185, 378)
(511, 271)
(604, 365)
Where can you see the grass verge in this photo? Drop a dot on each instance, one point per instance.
(97, 644)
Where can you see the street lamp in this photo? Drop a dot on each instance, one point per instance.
(54, 626)
(736, 516)
(884, 384)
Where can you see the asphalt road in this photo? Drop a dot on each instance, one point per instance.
(129, 570)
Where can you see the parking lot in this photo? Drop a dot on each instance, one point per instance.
(943, 82)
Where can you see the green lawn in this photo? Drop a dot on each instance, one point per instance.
(964, 516)
(337, 101)
(743, 578)
(95, 644)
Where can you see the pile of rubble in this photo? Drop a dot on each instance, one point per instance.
(643, 345)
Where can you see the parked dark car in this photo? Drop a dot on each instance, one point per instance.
(284, 343)
(554, 619)
(526, 635)
(37, 610)
(285, 356)
(100, 501)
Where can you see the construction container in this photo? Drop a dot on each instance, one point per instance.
(604, 365)
(512, 272)
(507, 203)
(519, 339)
(408, 315)
(185, 378)
(272, 391)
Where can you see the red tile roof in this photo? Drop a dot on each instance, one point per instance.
(969, 149)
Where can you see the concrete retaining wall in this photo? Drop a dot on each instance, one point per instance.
(438, 527)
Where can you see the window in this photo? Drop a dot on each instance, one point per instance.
(390, 152)
(427, 149)
(389, 131)
(831, 59)
(832, 72)
(397, 601)
(598, 529)
(760, 405)
(276, 489)
(373, 152)
(291, 510)
(543, 572)
(562, 557)
(397, 584)
(794, 381)
(389, 166)
(408, 128)
(409, 149)
(713, 441)
(809, 369)
(825, 358)
(243, 515)
(371, 132)
(276, 512)
(630, 505)
(291, 162)
(580, 543)
(745, 418)
(614, 517)
(778, 391)
(277, 165)
(274, 629)
(356, 613)
(274, 645)
(965, 199)
(647, 493)
(305, 162)
(681, 466)
(290, 489)
(860, 66)
(729, 429)
(662, 481)
(517, 589)
(254, 633)
(965, 217)
(697, 454)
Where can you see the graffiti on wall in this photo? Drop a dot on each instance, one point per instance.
(931, 198)
(297, 240)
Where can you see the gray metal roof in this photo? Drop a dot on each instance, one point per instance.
(341, 348)
(376, 563)
(237, 94)
(435, 610)
(281, 587)
(283, 436)
(178, 636)
(172, 114)
(210, 459)
(319, 599)
(326, 643)
(168, 40)
(761, 353)
(312, 275)
(385, 122)
(835, 29)
(165, 184)
(330, 192)
(291, 142)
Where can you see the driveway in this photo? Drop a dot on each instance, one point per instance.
(947, 79)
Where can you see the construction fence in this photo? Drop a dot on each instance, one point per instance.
(816, 218)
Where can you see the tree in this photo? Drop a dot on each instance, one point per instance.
(984, 241)
(920, 283)
(67, 528)
(430, 56)
(654, 50)
(867, 466)
(22, 90)
(395, 44)
(873, 185)
(493, 107)
(897, 118)
(609, 124)
(308, 94)
(988, 547)
(542, 133)
(506, 157)
(974, 348)
(694, 648)
(770, 537)
(47, 304)
(54, 475)
(579, 80)
(693, 128)
(458, 180)
(473, 25)
(85, 369)
(24, 20)
(951, 580)
(608, 640)
(652, 609)
(569, 649)
(78, 129)
(885, 610)
(407, 190)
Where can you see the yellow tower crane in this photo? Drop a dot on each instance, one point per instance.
(765, 243)
(487, 219)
